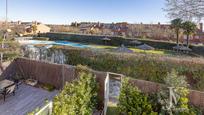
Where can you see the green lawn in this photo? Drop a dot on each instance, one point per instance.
(161, 52)
(112, 109)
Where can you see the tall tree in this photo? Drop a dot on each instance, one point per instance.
(188, 10)
(189, 28)
(176, 24)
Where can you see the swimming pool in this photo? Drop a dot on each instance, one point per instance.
(60, 43)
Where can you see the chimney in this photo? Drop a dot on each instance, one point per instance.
(201, 27)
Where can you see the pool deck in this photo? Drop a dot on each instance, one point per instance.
(26, 99)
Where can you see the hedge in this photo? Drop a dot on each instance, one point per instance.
(91, 39)
(116, 41)
(141, 66)
(78, 97)
(41, 38)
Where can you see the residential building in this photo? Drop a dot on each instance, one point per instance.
(153, 31)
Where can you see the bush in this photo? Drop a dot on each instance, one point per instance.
(180, 90)
(78, 97)
(147, 67)
(133, 102)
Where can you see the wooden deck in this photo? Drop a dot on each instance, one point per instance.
(26, 99)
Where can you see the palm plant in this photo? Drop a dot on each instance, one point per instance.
(189, 28)
(176, 24)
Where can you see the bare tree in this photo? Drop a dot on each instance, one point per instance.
(188, 10)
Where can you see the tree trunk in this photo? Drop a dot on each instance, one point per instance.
(1, 57)
(187, 41)
(1, 68)
(2, 46)
(177, 39)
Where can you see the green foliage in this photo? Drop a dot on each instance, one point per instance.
(133, 102)
(41, 38)
(11, 50)
(80, 68)
(48, 87)
(176, 24)
(189, 29)
(115, 41)
(112, 109)
(181, 92)
(34, 112)
(11, 56)
(173, 80)
(78, 97)
(147, 67)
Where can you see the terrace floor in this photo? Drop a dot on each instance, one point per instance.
(26, 99)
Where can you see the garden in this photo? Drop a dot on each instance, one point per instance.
(172, 99)
(140, 66)
(159, 45)
(79, 97)
(10, 51)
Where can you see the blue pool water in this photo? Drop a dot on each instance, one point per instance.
(60, 43)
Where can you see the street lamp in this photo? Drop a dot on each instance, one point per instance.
(6, 12)
(4, 36)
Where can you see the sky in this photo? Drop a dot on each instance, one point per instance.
(67, 11)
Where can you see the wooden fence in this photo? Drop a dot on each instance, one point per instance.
(58, 74)
(49, 73)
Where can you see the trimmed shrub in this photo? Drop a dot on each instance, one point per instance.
(133, 102)
(41, 38)
(180, 90)
(77, 98)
